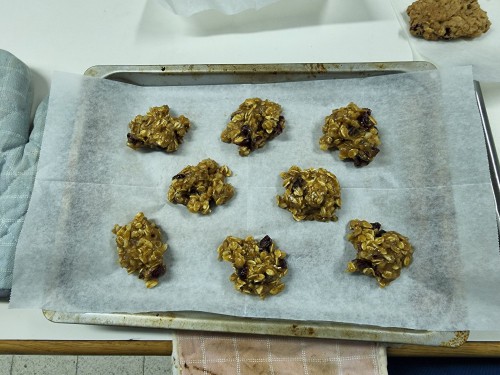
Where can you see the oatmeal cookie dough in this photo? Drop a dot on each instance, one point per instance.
(258, 265)
(157, 129)
(254, 123)
(380, 254)
(352, 131)
(447, 19)
(310, 194)
(202, 186)
(140, 249)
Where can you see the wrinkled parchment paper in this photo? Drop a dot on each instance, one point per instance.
(429, 182)
(483, 53)
(189, 7)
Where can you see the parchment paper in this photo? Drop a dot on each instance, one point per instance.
(483, 53)
(429, 182)
(190, 7)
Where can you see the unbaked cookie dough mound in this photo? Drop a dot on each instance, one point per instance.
(140, 249)
(310, 194)
(447, 19)
(201, 187)
(259, 265)
(255, 123)
(351, 130)
(157, 129)
(380, 254)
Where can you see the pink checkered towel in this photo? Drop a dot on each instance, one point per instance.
(216, 354)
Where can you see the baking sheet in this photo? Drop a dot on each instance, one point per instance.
(453, 310)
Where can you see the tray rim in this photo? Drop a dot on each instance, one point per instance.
(261, 326)
(314, 69)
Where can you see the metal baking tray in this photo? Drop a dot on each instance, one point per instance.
(164, 75)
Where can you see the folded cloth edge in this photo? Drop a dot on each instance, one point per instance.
(207, 352)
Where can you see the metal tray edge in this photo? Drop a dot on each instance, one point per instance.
(229, 324)
(103, 71)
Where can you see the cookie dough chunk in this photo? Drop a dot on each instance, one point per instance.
(258, 265)
(447, 19)
(310, 194)
(380, 254)
(352, 131)
(254, 123)
(157, 129)
(140, 249)
(201, 187)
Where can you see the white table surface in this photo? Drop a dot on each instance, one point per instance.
(71, 36)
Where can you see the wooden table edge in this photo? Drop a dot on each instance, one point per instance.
(484, 349)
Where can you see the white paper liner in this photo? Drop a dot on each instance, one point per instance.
(429, 182)
(483, 52)
(189, 7)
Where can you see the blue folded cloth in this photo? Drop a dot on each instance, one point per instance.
(19, 150)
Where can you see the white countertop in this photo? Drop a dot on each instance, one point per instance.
(71, 36)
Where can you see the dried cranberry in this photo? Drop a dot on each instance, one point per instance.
(133, 140)
(246, 142)
(364, 119)
(376, 225)
(359, 162)
(158, 271)
(361, 264)
(279, 126)
(242, 272)
(245, 130)
(298, 183)
(282, 264)
(265, 243)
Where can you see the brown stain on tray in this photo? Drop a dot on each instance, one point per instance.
(302, 331)
(459, 339)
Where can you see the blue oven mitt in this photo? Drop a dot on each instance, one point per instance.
(19, 150)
